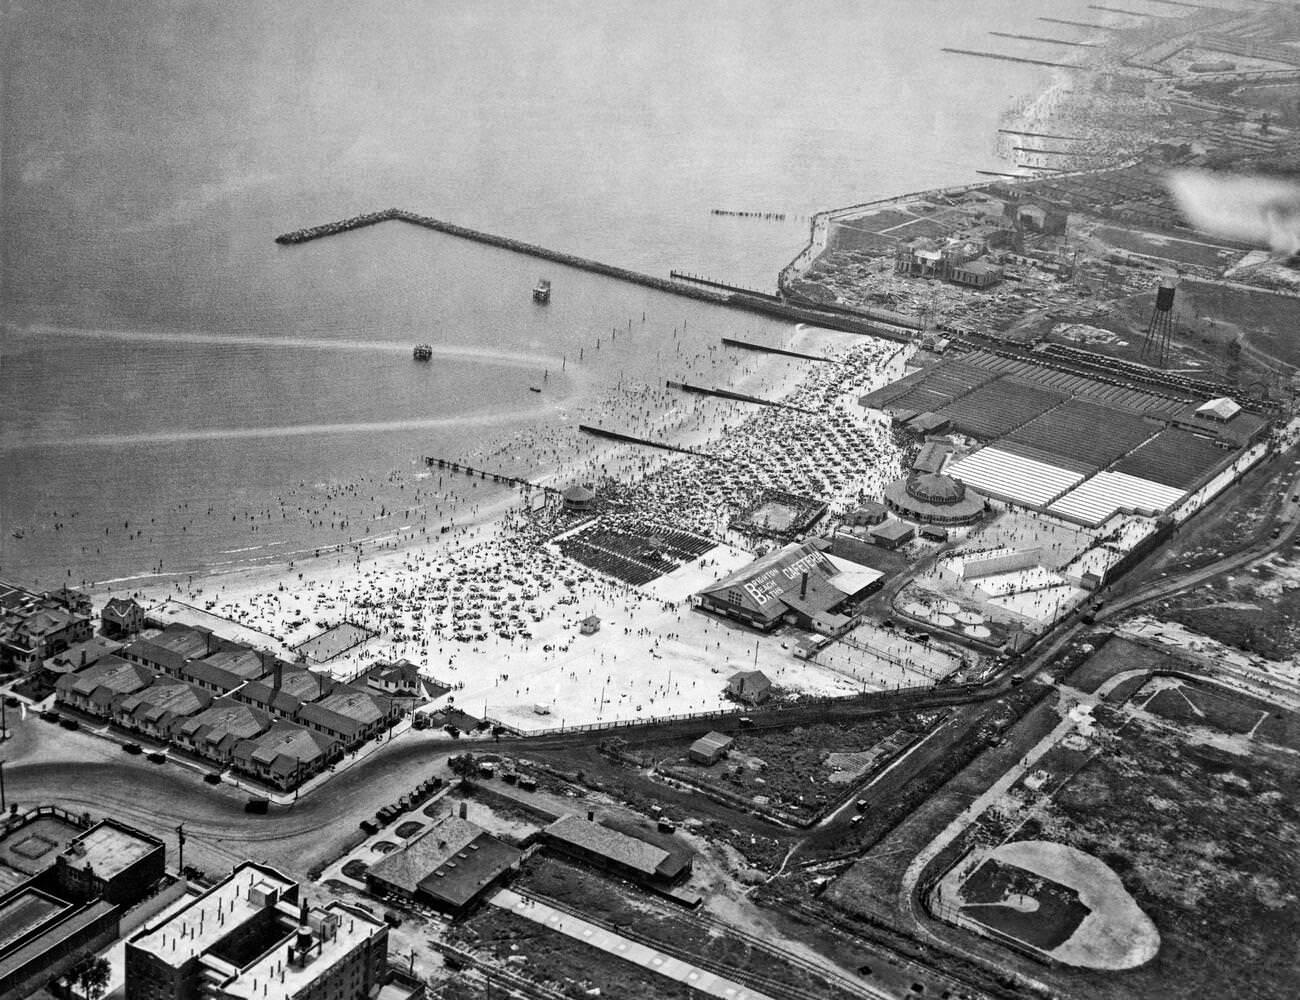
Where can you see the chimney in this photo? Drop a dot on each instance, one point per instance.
(464, 809)
(591, 815)
(803, 586)
(279, 674)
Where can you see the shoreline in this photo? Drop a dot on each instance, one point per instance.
(769, 374)
(474, 518)
(529, 668)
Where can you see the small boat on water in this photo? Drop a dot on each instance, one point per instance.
(533, 388)
(542, 291)
(423, 352)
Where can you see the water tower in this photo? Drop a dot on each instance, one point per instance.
(1160, 329)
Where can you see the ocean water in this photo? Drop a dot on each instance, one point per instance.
(178, 392)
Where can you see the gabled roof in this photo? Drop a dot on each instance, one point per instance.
(164, 701)
(641, 856)
(763, 584)
(246, 664)
(223, 720)
(92, 649)
(47, 621)
(169, 648)
(111, 673)
(1222, 408)
(283, 748)
(424, 854)
(749, 680)
(893, 530)
(346, 710)
(710, 743)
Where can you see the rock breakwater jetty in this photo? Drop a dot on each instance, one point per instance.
(748, 300)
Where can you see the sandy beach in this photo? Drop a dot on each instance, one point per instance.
(487, 605)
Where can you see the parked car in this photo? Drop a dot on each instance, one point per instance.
(132, 748)
(156, 758)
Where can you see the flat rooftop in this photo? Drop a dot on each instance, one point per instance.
(108, 849)
(190, 932)
(32, 847)
(274, 977)
(25, 912)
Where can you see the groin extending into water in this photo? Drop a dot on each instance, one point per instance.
(600, 432)
(749, 301)
(739, 397)
(745, 345)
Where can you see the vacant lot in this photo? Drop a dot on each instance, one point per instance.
(1206, 843)
(1169, 248)
(807, 769)
(1116, 657)
(1266, 319)
(1257, 611)
(552, 958)
(660, 924)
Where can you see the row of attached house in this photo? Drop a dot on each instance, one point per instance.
(224, 702)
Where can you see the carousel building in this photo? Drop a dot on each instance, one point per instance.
(933, 498)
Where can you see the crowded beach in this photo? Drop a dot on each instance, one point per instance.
(494, 611)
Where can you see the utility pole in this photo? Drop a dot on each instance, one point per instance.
(4, 806)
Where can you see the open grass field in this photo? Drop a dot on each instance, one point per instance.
(1177, 251)
(1175, 699)
(1266, 319)
(1115, 657)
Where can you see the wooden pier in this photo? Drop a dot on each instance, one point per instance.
(496, 477)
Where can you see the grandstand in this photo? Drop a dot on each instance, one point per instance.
(1108, 493)
(1014, 478)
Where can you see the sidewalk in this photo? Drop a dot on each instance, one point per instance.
(646, 957)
